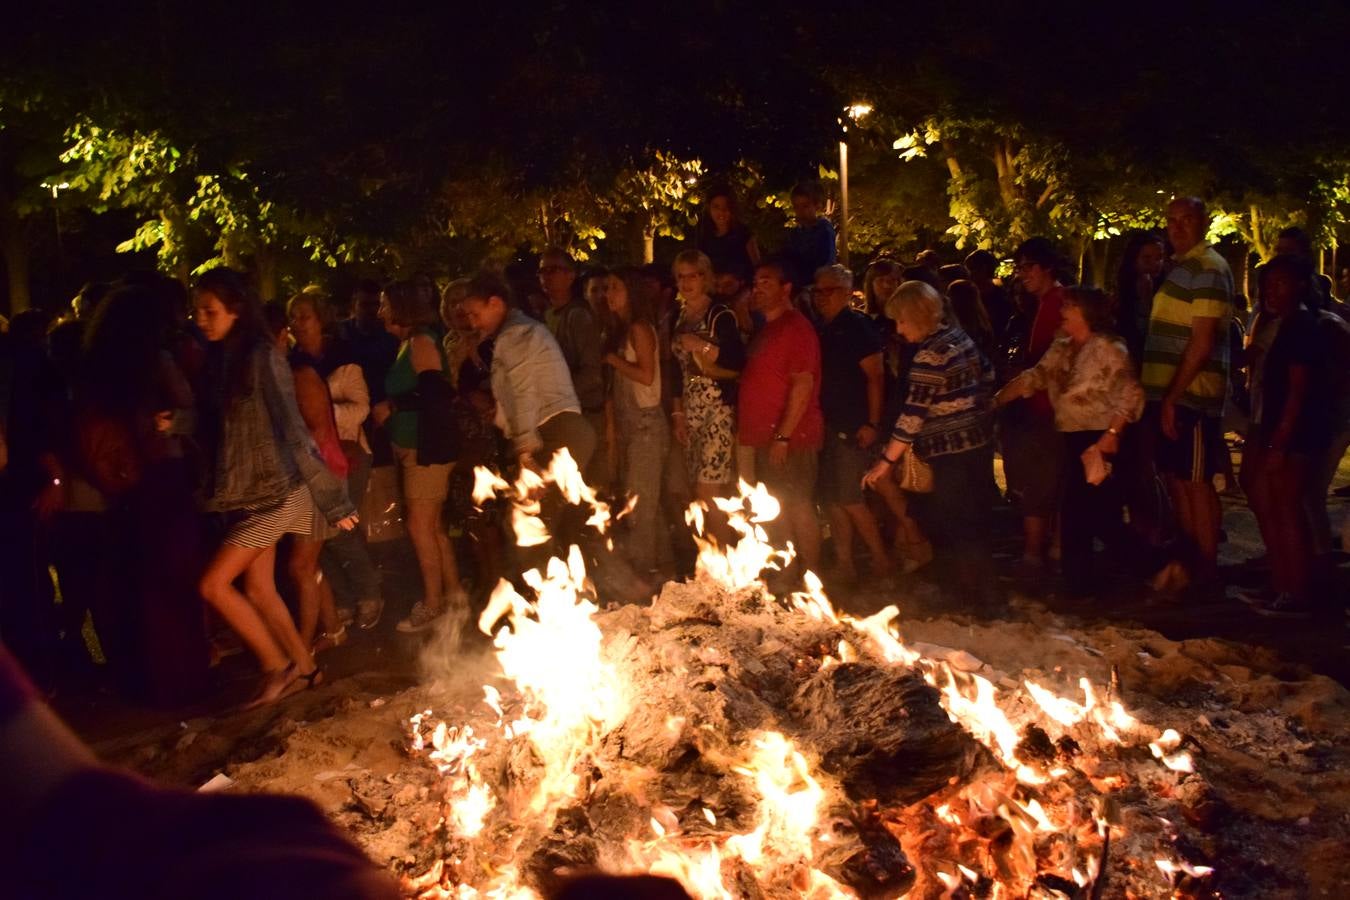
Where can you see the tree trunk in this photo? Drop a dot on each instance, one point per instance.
(648, 246)
(1097, 254)
(14, 241)
(265, 261)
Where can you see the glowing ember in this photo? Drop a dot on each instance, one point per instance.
(587, 738)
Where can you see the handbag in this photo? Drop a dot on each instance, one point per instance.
(916, 476)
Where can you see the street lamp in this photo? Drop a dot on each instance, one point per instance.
(854, 112)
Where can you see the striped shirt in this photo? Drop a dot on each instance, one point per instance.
(1200, 286)
(948, 398)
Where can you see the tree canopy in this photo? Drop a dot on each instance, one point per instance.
(302, 137)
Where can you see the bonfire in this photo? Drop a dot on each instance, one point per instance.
(753, 745)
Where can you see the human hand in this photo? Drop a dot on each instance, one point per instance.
(1108, 444)
(348, 523)
(612, 359)
(778, 454)
(867, 436)
(163, 421)
(380, 412)
(690, 342)
(1167, 417)
(880, 469)
(680, 429)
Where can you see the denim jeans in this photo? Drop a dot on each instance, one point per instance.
(644, 441)
(345, 559)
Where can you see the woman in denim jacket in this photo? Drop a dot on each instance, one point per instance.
(266, 474)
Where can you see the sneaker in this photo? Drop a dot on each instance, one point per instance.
(420, 619)
(1282, 606)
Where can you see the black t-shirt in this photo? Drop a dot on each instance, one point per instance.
(728, 251)
(845, 341)
(1298, 343)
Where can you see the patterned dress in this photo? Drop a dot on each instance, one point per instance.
(709, 403)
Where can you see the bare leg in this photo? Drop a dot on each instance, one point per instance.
(907, 528)
(1035, 532)
(805, 531)
(423, 525)
(217, 588)
(303, 567)
(841, 527)
(866, 525)
(261, 586)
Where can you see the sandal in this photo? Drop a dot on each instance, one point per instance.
(312, 680)
(327, 640)
(274, 686)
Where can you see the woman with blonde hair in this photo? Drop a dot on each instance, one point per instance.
(946, 419)
(707, 345)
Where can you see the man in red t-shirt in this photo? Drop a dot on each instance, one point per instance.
(778, 413)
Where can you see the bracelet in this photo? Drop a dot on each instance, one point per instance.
(889, 461)
(1113, 431)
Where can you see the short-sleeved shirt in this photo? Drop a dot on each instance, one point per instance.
(729, 252)
(1297, 343)
(845, 341)
(1200, 286)
(784, 347)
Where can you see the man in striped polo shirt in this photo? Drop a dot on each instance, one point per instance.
(1186, 375)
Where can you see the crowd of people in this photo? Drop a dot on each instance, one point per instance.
(156, 461)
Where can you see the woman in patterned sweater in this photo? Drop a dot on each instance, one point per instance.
(946, 418)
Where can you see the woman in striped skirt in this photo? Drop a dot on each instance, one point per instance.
(266, 474)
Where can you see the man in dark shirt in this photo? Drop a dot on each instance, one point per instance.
(572, 322)
(851, 396)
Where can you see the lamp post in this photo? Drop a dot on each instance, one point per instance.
(854, 112)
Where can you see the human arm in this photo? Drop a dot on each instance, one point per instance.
(800, 386)
(1123, 390)
(873, 368)
(351, 398)
(330, 492)
(643, 369)
(752, 250)
(1204, 332)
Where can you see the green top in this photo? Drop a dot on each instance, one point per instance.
(402, 380)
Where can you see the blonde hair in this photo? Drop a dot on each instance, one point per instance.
(454, 294)
(699, 260)
(918, 302)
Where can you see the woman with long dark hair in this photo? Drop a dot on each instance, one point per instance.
(723, 237)
(641, 434)
(266, 473)
(416, 414)
(1137, 280)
